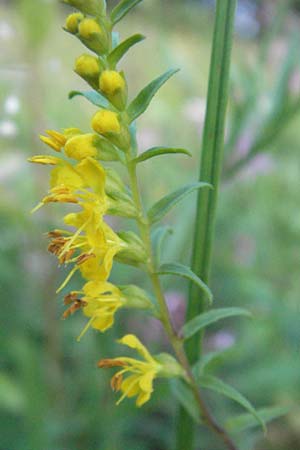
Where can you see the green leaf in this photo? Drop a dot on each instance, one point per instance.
(186, 398)
(122, 9)
(185, 272)
(163, 206)
(157, 151)
(93, 97)
(204, 319)
(143, 99)
(158, 237)
(217, 385)
(246, 421)
(120, 50)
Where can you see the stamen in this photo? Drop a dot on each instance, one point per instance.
(84, 257)
(85, 329)
(67, 279)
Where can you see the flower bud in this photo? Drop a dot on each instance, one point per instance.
(88, 27)
(73, 21)
(135, 297)
(81, 146)
(105, 122)
(108, 124)
(93, 35)
(134, 253)
(113, 86)
(88, 67)
(92, 7)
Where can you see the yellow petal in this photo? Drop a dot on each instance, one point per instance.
(57, 136)
(67, 176)
(146, 381)
(130, 385)
(93, 174)
(133, 342)
(80, 146)
(45, 159)
(96, 288)
(143, 398)
(103, 323)
(51, 143)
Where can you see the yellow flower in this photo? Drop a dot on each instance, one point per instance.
(106, 122)
(92, 247)
(73, 21)
(88, 27)
(100, 301)
(105, 244)
(55, 140)
(87, 66)
(80, 146)
(139, 383)
(111, 82)
(84, 182)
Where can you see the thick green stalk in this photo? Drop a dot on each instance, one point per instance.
(210, 170)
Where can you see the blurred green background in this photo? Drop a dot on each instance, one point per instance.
(52, 396)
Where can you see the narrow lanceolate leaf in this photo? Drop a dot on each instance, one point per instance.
(186, 398)
(185, 272)
(163, 206)
(142, 101)
(203, 320)
(158, 237)
(93, 97)
(217, 385)
(246, 421)
(122, 9)
(158, 151)
(120, 50)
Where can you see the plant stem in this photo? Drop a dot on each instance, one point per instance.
(175, 341)
(210, 170)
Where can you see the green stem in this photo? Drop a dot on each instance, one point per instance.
(175, 341)
(211, 162)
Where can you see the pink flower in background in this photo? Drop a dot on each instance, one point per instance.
(245, 250)
(221, 340)
(147, 138)
(194, 111)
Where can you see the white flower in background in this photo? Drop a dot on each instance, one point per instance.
(12, 105)
(54, 65)
(10, 166)
(6, 31)
(8, 128)
(194, 110)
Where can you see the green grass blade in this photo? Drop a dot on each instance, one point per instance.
(210, 168)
